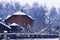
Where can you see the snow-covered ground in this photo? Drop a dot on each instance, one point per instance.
(38, 39)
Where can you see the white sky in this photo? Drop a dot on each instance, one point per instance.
(49, 3)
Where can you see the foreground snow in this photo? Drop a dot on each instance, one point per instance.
(38, 39)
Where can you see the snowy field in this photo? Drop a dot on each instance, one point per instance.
(38, 39)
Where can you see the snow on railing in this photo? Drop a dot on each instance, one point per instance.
(28, 35)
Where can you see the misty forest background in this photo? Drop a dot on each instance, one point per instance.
(44, 18)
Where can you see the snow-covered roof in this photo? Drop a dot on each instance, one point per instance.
(7, 17)
(0, 18)
(14, 24)
(30, 17)
(5, 25)
(19, 13)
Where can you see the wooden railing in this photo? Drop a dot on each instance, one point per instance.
(27, 35)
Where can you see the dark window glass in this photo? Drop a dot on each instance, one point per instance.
(25, 24)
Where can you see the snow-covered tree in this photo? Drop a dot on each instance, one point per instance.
(38, 13)
(17, 6)
(53, 20)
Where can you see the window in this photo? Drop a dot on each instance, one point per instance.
(25, 24)
(8, 23)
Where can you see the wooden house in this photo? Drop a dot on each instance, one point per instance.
(20, 18)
